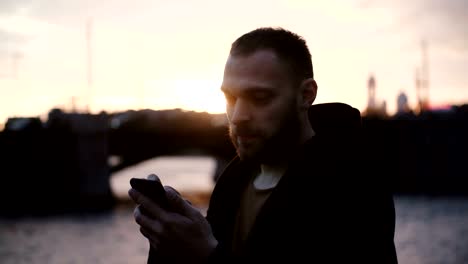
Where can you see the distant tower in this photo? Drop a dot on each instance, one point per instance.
(422, 80)
(16, 56)
(13, 60)
(383, 107)
(374, 108)
(371, 104)
(89, 72)
(402, 103)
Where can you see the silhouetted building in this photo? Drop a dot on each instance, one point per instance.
(402, 103)
(374, 108)
(371, 104)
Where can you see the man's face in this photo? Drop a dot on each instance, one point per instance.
(261, 105)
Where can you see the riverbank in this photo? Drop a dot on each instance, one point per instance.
(191, 176)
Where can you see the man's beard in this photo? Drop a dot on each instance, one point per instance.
(272, 148)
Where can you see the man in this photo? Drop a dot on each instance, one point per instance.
(291, 192)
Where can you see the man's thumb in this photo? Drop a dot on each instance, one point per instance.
(176, 202)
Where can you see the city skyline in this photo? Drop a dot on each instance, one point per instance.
(162, 55)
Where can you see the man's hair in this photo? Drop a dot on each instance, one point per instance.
(288, 46)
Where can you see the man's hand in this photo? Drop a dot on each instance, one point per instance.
(181, 233)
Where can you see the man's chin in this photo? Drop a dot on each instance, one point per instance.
(255, 152)
(266, 154)
(252, 155)
(248, 156)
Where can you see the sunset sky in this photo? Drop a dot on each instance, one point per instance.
(170, 54)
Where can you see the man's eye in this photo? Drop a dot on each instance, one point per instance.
(261, 99)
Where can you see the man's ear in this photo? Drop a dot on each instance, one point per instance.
(308, 92)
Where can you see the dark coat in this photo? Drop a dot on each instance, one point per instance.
(327, 208)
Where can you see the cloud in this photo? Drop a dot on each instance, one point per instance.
(63, 12)
(12, 37)
(13, 6)
(441, 22)
(449, 27)
(74, 13)
(10, 42)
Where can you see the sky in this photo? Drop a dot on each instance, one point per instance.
(161, 54)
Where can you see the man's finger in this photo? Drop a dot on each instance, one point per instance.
(151, 238)
(177, 203)
(170, 187)
(146, 222)
(153, 209)
(153, 177)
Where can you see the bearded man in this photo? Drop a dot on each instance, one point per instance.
(292, 192)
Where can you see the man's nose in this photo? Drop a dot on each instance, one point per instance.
(240, 112)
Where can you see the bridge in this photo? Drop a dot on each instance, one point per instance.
(63, 164)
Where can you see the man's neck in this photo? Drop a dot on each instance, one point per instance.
(269, 175)
(271, 172)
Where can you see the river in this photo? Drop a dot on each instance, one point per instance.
(428, 230)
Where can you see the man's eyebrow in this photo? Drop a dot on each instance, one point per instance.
(258, 90)
(250, 90)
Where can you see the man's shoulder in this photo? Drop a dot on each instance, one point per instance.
(231, 178)
(338, 125)
(226, 173)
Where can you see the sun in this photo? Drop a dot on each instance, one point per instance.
(200, 95)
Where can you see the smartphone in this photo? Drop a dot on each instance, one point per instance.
(152, 189)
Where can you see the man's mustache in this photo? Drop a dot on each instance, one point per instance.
(243, 130)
